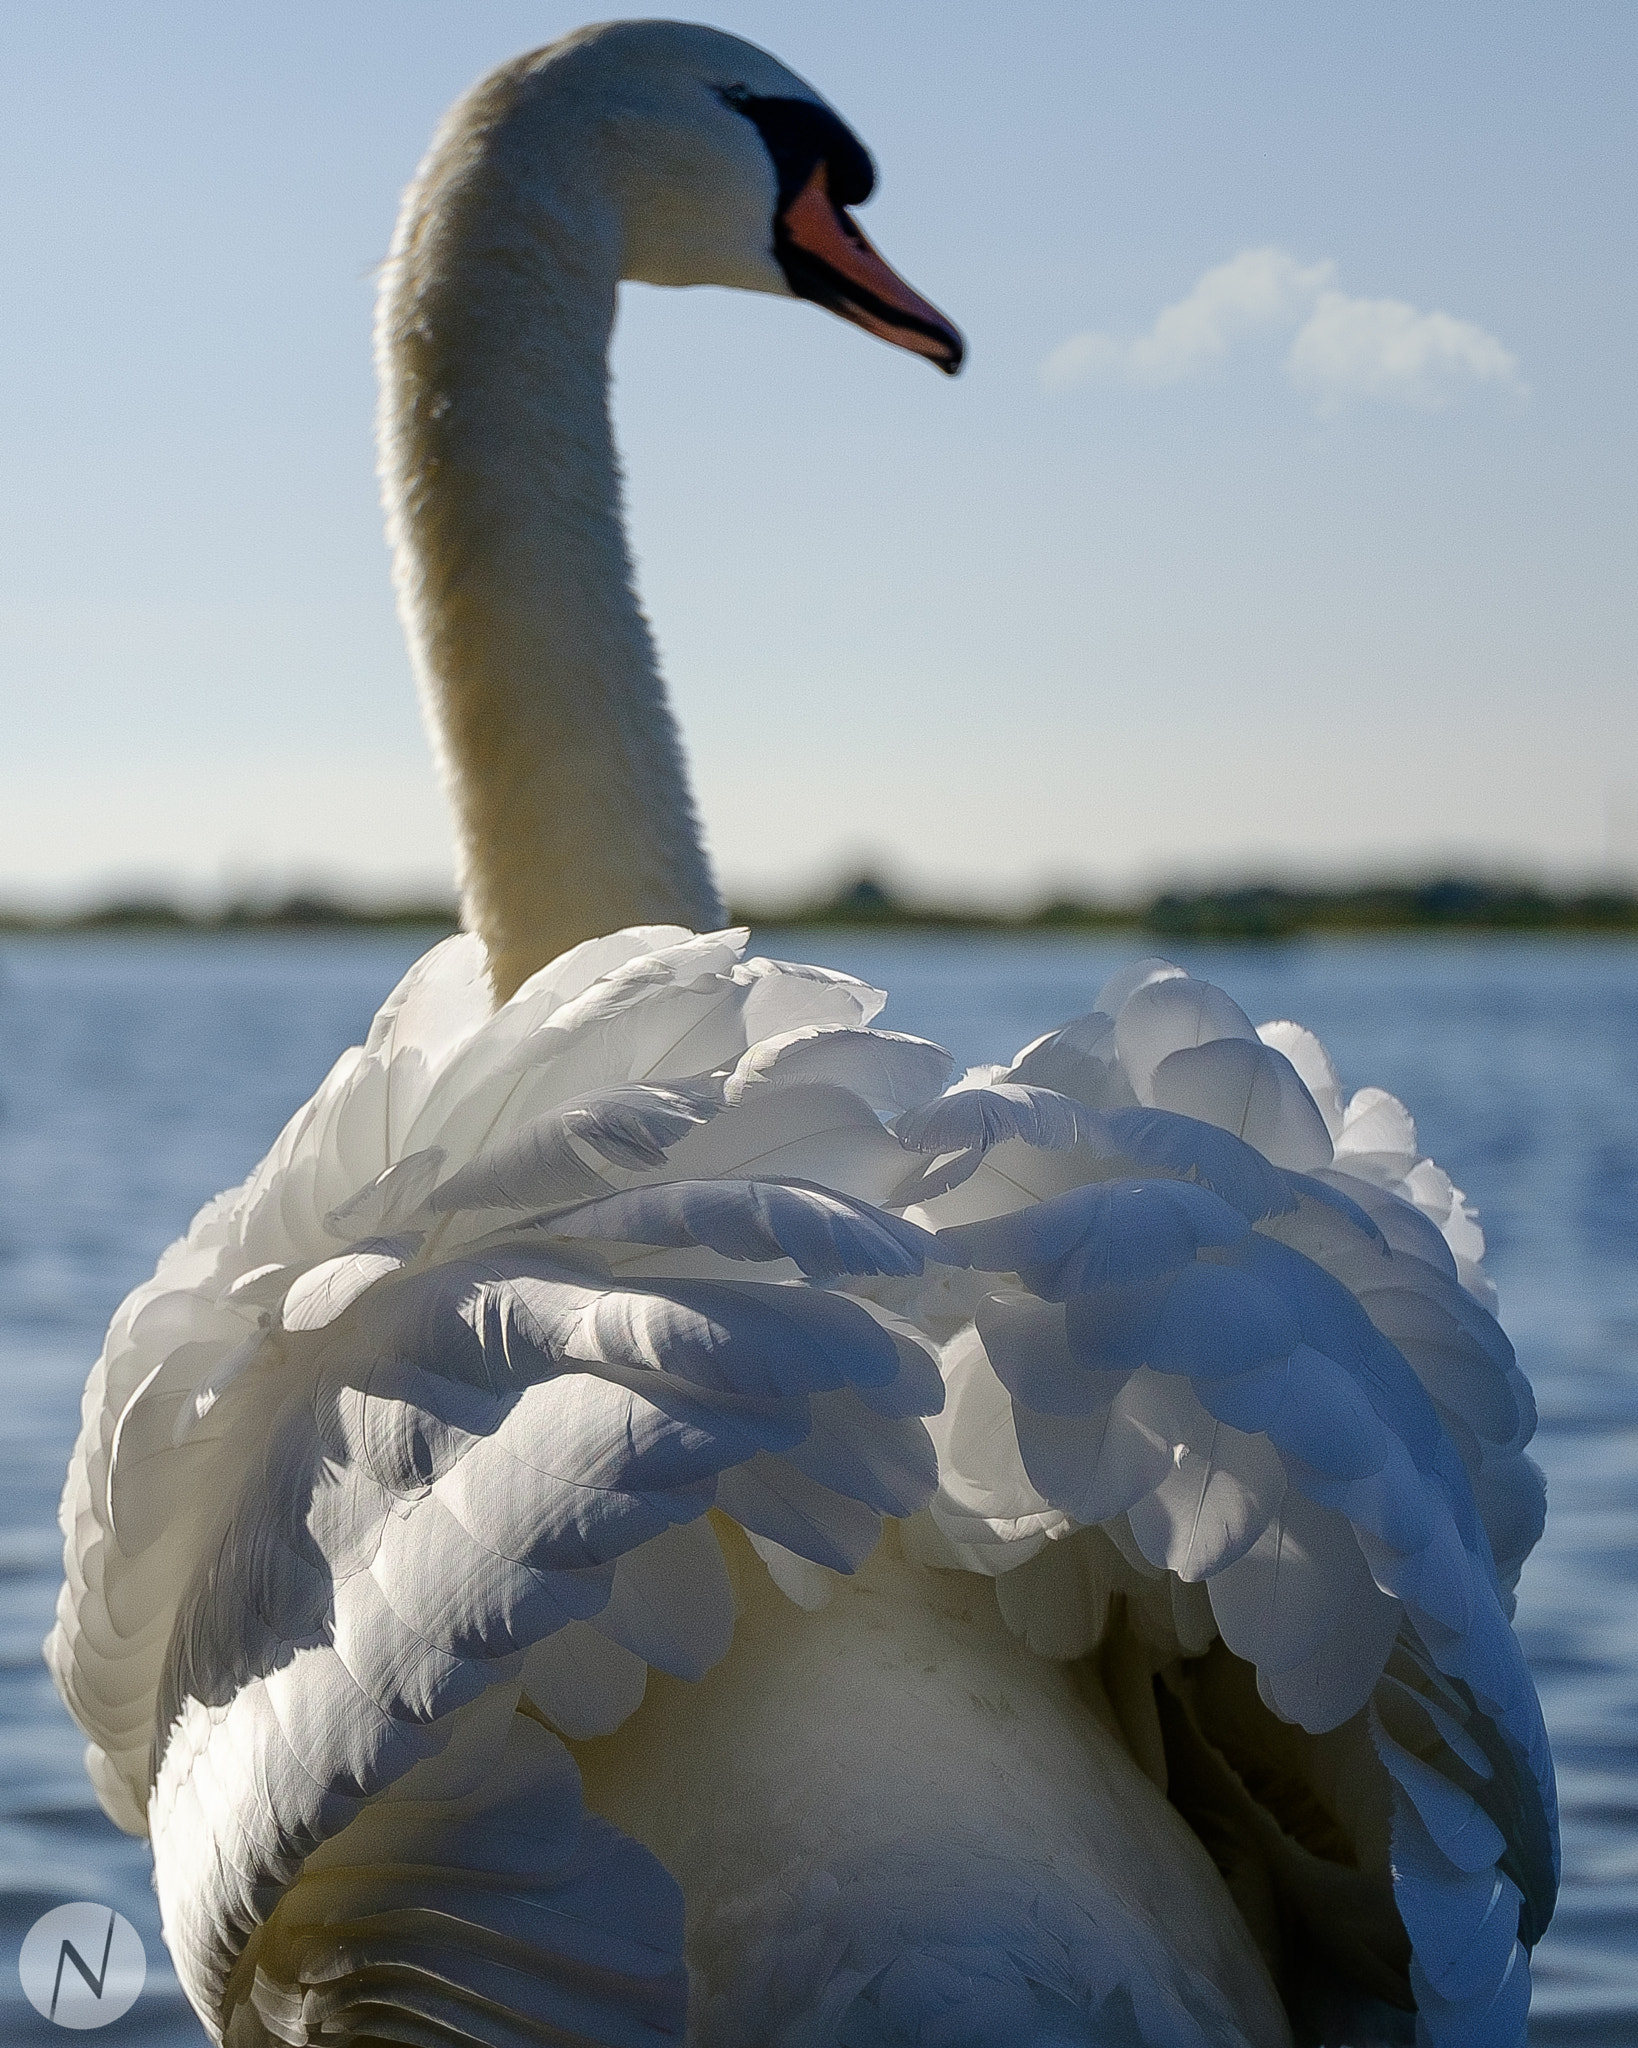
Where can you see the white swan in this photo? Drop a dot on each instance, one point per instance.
(473, 1576)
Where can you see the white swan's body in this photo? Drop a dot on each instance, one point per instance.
(474, 1584)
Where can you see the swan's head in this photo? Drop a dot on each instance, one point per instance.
(724, 168)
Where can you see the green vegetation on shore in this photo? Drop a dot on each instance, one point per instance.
(1450, 904)
(306, 912)
(1252, 911)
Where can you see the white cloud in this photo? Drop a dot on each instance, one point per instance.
(1383, 348)
(1256, 290)
(1343, 348)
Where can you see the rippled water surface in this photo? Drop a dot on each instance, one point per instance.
(137, 1076)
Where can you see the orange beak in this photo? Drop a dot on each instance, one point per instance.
(827, 258)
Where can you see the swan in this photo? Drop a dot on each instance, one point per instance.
(659, 1513)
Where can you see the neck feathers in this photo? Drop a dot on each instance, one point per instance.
(536, 666)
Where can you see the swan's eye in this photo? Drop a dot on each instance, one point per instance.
(799, 135)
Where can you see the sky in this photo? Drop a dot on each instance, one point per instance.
(1282, 521)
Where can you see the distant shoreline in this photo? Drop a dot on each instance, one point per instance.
(1253, 911)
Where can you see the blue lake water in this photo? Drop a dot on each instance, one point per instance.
(138, 1075)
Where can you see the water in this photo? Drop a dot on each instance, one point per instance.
(138, 1075)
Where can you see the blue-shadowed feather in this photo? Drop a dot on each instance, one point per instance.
(825, 1235)
(1110, 1233)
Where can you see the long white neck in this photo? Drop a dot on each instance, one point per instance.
(536, 666)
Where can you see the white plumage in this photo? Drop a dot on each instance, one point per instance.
(476, 1574)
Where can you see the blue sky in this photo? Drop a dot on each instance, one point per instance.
(1301, 577)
